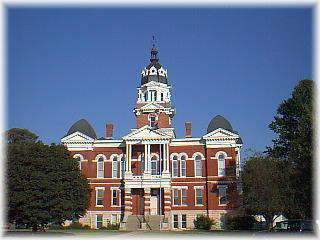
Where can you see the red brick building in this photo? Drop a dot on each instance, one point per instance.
(150, 179)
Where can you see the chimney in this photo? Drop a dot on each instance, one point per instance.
(188, 128)
(109, 130)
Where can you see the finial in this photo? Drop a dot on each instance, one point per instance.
(154, 50)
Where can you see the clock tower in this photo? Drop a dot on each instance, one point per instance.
(153, 106)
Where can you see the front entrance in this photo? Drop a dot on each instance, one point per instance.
(137, 201)
(154, 205)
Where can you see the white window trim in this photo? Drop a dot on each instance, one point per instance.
(96, 189)
(185, 164)
(78, 155)
(173, 221)
(222, 187)
(111, 159)
(178, 190)
(172, 161)
(180, 225)
(97, 220)
(98, 156)
(195, 195)
(118, 196)
(122, 170)
(181, 203)
(218, 163)
(195, 168)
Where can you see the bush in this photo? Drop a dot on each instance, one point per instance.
(77, 225)
(239, 222)
(203, 223)
(111, 226)
(56, 227)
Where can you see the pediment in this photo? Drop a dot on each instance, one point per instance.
(77, 137)
(220, 133)
(152, 106)
(146, 133)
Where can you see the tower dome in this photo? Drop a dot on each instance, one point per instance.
(154, 71)
(84, 127)
(219, 122)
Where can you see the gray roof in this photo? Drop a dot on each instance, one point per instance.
(84, 127)
(219, 122)
(155, 78)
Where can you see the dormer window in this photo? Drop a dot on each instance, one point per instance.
(153, 95)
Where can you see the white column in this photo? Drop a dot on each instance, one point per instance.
(167, 156)
(145, 158)
(164, 165)
(128, 154)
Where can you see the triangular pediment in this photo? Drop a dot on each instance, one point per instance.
(152, 106)
(146, 133)
(77, 137)
(220, 133)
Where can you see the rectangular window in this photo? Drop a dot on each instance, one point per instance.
(114, 218)
(184, 197)
(175, 168)
(161, 97)
(221, 167)
(175, 196)
(153, 168)
(99, 221)
(183, 221)
(222, 220)
(183, 168)
(222, 195)
(99, 197)
(198, 168)
(114, 197)
(175, 221)
(198, 196)
(100, 167)
(114, 169)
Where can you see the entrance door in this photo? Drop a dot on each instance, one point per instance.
(137, 202)
(154, 205)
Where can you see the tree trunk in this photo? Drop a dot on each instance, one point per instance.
(35, 228)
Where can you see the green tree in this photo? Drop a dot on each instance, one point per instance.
(266, 188)
(294, 126)
(45, 185)
(20, 135)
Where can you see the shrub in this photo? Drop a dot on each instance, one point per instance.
(111, 226)
(56, 227)
(239, 222)
(203, 223)
(77, 225)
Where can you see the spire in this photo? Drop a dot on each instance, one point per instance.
(154, 51)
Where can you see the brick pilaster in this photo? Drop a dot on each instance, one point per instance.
(147, 201)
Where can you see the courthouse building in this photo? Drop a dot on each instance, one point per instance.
(149, 179)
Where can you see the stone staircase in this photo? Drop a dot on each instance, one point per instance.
(132, 224)
(151, 223)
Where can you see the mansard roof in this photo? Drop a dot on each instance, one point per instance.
(219, 122)
(84, 127)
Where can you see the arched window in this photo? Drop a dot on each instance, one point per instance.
(100, 168)
(123, 166)
(221, 165)
(114, 167)
(78, 158)
(154, 165)
(175, 166)
(183, 166)
(198, 166)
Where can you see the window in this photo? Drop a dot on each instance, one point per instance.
(175, 166)
(222, 195)
(176, 197)
(99, 220)
(198, 167)
(99, 197)
(161, 97)
(184, 197)
(183, 166)
(142, 162)
(100, 168)
(123, 166)
(221, 165)
(114, 197)
(78, 158)
(154, 165)
(198, 196)
(146, 96)
(152, 120)
(222, 220)
(114, 218)
(183, 221)
(175, 221)
(114, 167)
(153, 95)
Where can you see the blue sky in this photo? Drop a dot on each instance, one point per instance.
(65, 64)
